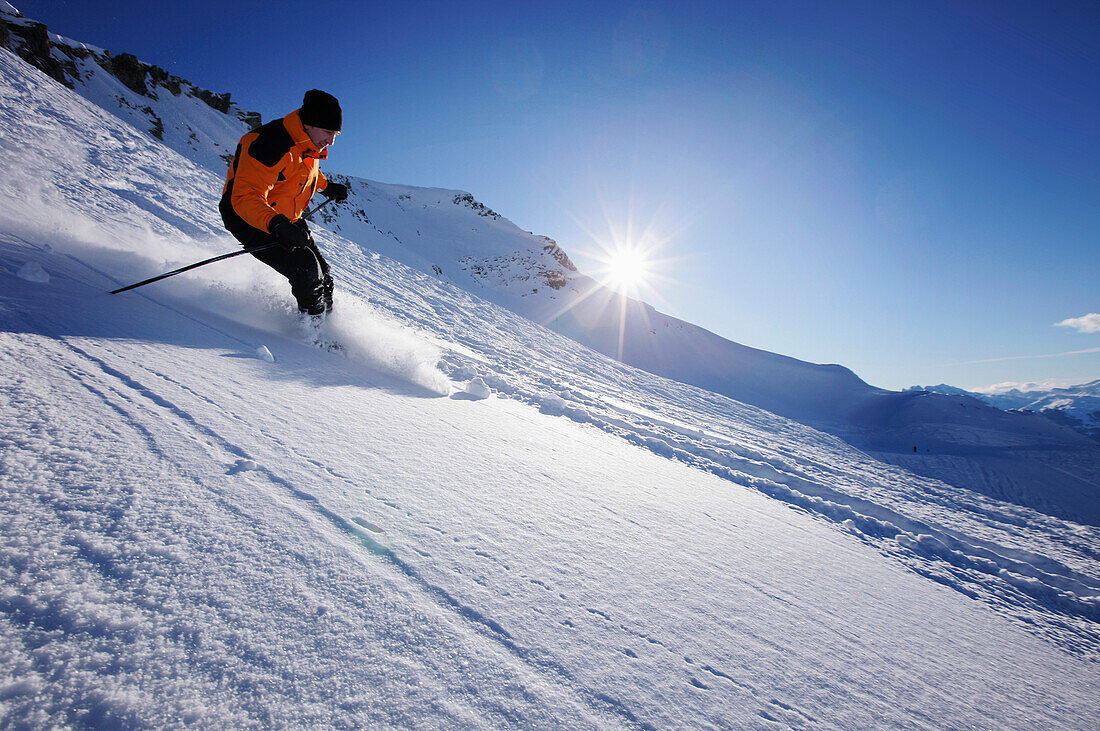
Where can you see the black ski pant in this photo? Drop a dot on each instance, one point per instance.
(307, 272)
(305, 268)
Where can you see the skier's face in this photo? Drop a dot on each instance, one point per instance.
(321, 138)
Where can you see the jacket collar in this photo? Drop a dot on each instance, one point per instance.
(297, 130)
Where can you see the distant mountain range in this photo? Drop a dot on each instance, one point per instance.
(1077, 407)
(956, 437)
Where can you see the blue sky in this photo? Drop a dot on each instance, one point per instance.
(910, 189)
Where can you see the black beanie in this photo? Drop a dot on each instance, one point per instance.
(321, 110)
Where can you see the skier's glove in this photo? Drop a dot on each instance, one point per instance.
(289, 235)
(336, 191)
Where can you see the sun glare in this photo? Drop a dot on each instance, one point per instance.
(627, 269)
(624, 263)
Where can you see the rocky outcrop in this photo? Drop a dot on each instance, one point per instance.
(465, 199)
(551, 247)
(522, 271)
(126, 68)
(252, 119)
(31, 41)
(219, 102)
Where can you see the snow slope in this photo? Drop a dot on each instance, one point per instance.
(191, 533)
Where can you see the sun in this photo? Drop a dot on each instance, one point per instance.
(627, 268)
(628, 264)
(625, 262)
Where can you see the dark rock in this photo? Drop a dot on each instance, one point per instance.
(162, 78)
(465, 199)
(32, 43)
(157, 130)
(126, 68)
(252, 119)
(555, 279)
(219, 102)
(36, 38)
(555, 251)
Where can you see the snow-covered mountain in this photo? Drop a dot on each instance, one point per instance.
(1077, 407)
(206, 521)
(450, 235)
(203, 126)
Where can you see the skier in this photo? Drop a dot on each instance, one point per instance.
(274, 173)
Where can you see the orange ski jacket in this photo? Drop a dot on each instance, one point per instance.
(276, 169)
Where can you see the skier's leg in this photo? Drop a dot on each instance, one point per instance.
(302, 268)
(327, 285)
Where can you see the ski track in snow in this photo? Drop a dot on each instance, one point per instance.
(353, 528)
(1029, 564)
(150, 414)
(250, 539)
(358, 529)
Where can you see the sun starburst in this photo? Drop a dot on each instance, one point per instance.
(626, 269)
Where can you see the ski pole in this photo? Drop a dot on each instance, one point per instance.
(211, 260)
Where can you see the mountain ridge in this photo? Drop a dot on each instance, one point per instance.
(166, 106)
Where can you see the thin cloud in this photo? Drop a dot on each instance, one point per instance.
(1090, 323)
(1047, 385)
(1026, 357)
